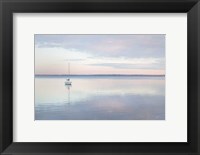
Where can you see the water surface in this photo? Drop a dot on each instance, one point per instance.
(100, 98)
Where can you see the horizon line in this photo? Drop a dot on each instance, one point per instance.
(100, 75)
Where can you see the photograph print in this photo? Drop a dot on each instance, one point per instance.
(99, 77)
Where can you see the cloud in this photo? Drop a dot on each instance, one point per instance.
(129, 66)
(74, 60)
(106, 54)
(135, 46)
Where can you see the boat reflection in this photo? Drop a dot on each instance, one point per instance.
(68, 93)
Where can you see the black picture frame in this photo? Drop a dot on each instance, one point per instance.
(8, 7)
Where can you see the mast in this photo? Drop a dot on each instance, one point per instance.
(69, 69)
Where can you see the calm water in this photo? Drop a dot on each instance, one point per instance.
(100, 98)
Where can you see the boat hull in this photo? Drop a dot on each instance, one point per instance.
(68, 83)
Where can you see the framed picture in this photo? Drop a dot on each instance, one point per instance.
(99, 77)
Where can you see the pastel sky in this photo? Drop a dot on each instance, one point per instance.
(100, 54)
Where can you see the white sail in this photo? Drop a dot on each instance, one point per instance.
(68, 82)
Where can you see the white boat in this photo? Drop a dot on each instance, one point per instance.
(68, 82)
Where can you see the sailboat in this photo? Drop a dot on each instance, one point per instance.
(68, 82)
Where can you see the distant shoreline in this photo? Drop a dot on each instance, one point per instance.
(97, 75)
